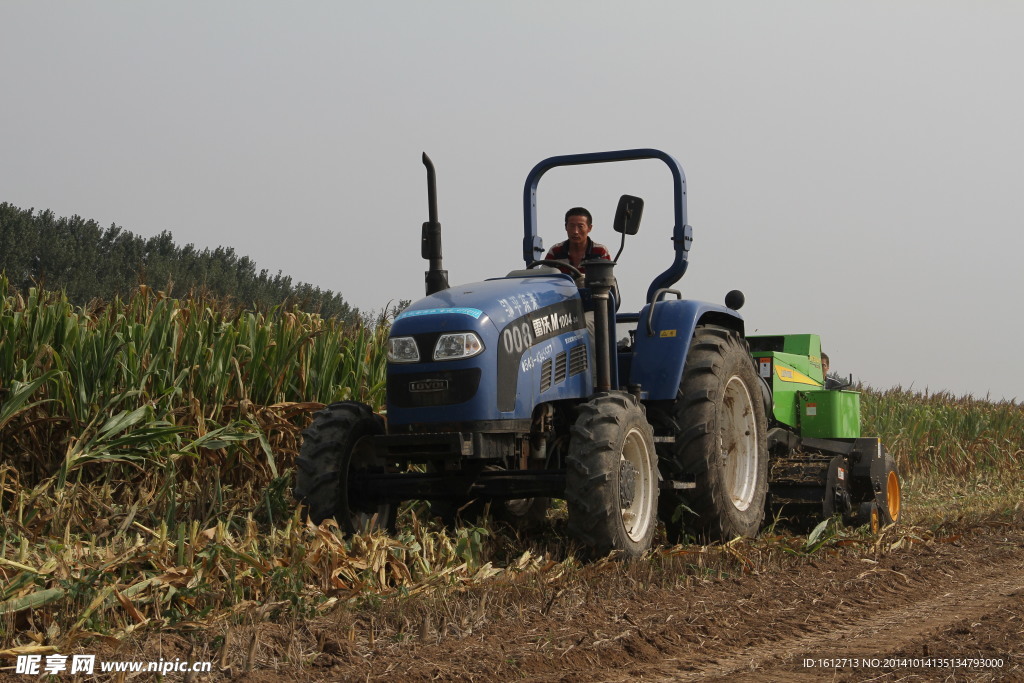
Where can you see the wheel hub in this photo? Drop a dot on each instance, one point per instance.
(627, 483)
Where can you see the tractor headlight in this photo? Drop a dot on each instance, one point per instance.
(403, 350)
(458, 345)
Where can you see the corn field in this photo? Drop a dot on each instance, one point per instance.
(137, 435)
(146, 455)
(941, 434)
(106, 393)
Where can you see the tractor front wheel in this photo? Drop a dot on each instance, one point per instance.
(612, 476)
(336, 449)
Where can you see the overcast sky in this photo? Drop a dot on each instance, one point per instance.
(856, 168)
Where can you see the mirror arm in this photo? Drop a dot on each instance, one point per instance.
(622, 245)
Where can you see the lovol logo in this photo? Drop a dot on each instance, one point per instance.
(424, 385)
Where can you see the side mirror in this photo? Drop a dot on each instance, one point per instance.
(627, 214)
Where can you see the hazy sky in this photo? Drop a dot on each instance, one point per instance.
(856, 168)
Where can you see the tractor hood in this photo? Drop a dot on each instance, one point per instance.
(521, 322)
(491, 304)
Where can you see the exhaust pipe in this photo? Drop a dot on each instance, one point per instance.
(599, 280)
(430, 241)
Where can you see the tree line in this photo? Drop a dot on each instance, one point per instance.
(90, 262)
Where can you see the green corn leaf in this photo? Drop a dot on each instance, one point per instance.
(31, 601)
(20, 393)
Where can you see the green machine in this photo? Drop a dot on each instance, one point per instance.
(820, 463)
(791, 364)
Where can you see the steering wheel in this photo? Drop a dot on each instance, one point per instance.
(557, 264)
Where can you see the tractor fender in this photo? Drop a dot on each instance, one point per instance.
(659, 351)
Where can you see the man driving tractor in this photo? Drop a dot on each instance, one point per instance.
(579, 247)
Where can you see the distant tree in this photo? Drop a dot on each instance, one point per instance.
(88, 262)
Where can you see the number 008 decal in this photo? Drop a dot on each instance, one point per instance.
(517, 338)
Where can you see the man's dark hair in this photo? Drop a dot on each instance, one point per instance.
(579, 211)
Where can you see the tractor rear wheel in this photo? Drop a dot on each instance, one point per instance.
(523, 514)
(720, 439)
(335, 449)
(612, 476)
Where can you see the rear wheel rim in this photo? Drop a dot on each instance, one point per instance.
(519, 506)
(892, 495)
(636, 484)
(738, 440)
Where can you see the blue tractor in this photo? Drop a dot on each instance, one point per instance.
(515, 390)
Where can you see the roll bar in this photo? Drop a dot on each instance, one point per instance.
(682, 234)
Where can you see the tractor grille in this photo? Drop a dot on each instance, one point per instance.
(545, 376)
(419, 389)
(560, 367)
(577, 360)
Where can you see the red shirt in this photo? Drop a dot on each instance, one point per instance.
(560, 252)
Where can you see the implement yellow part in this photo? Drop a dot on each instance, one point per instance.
(892, 486)
(790, 375)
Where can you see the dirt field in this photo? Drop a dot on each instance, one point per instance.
(902, 617)
(942, 609)
(928, 609)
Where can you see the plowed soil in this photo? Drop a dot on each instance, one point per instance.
(944, 609)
